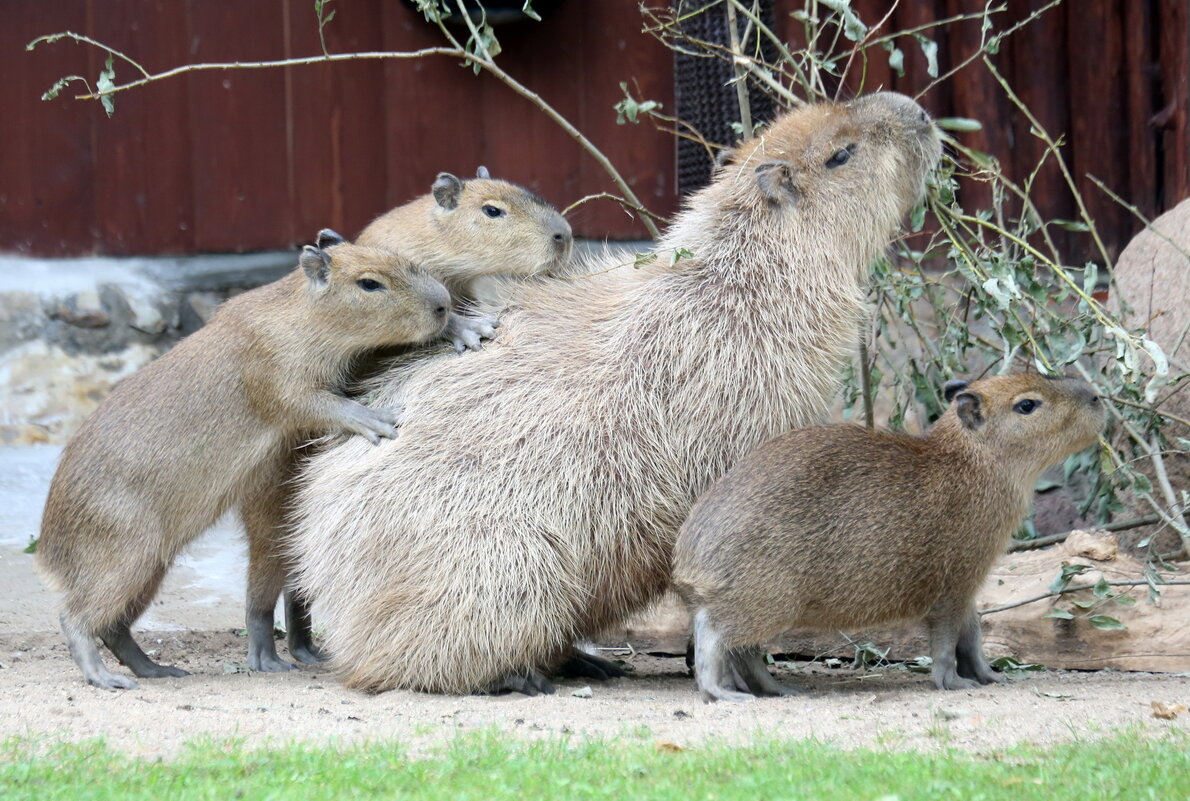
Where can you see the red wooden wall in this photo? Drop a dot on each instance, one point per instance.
(249, 160)
(1110, 78)
(242, 161)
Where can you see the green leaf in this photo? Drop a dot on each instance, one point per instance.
(929, 49)
(32, 546)
(629, 109)
(958, 124)
(1106, 623)
(1125, 600)
(1062, 580)
(58, 86)
(107, 82)
(1071, 225)
(1141, 483)
(896, 58)
(678, 255)
(1101, 589)
(917, 218)
(1086, 604)
(1060, 614)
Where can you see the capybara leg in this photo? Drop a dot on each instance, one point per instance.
(971, 662)
(531, 682)
(944, 638)
(120, 642)
(266, 579)
(578, 664)
(86, 655)
(297, 626)
(711, 670)
(748, 663)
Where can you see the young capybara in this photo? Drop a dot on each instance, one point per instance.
(843, 527)
(212, 425)
(536, 489)
(468, 231)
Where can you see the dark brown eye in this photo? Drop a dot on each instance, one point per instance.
(1026, 406)
(841, 157)
(368, 285)
(493, 211)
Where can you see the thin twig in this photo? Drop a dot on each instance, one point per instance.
(1053, 539)
(609, 196)
(486, 62)
(741, 87)
(862, 45)
(1077, 588)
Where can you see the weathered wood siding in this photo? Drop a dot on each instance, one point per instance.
(242, 161)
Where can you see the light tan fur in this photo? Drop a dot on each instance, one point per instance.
(211, 425)
(448, 233)
(843, 527)
(536, 488)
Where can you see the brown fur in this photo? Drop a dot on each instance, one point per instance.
(536, 488)
(212, 425)
(842, 527)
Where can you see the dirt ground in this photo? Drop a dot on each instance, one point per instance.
(195, 620)
(41, 695)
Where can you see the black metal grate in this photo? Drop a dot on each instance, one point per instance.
(703, 94)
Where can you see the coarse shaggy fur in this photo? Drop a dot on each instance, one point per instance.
(535, 490)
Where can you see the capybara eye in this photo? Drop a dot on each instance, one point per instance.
(493, 211)
(840, 158)
(1026, 406)
(368, 285)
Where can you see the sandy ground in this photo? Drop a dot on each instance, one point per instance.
(196, 619)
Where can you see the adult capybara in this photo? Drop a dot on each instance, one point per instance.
(536, 488)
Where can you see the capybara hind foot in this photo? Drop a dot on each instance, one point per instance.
(300, 638)
(86, 656)
(970, 661)
(308, 653)
(751, 673)
(262, 648)
(119, 641)
(579, 664)
(717, 678)
(530, 683)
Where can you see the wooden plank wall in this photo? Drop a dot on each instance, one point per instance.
(243, 161)
(250, 160)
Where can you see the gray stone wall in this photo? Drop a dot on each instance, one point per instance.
(71, 328)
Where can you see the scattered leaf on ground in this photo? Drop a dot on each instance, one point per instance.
(1167, 711)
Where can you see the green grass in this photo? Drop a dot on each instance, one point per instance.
(1125, 766)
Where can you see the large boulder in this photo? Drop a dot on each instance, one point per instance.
(1152, 291)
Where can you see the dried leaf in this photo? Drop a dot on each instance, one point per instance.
(1167, 712)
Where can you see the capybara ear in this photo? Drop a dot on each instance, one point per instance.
(969, 408)
(447, 190)
(952, 387)
(482, 172)
(775, 179)
(724, 156)
(316, 264)
(328, 238)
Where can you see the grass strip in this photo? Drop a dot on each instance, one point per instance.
(489, 766)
